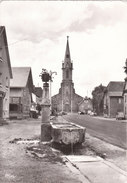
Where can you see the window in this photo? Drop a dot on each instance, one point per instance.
(1, 60)
(13, 107)
(0, 78)
(7, 83)
(67, 74)
(119, 100)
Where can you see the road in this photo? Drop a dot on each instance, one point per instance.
(111, 131)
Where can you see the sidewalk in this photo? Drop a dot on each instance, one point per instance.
(96, 170)
(110, 119)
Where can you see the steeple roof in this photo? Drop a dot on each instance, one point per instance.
(67, 52)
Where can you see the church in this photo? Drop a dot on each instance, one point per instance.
(66, 100)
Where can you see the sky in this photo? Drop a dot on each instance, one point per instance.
(37, 34)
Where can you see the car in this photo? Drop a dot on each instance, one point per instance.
(120, 116)
(93, 113)
(62, 113)
(81, 112)
(33, 111)
(89, 112)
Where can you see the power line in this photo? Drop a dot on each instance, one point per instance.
(14, 43)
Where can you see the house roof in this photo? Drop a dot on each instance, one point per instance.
(3, 33)
(21, 75)
(115, 88)
(38, 91)
(84, 100)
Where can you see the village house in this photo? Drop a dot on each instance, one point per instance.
(38, 98)
(125, 99)
(21, 88)
(125, 92)
(66, 100)
(5, 75)
(86, 105)
(113, 99)
(38, 92)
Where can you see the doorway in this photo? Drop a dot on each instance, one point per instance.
(66, 107)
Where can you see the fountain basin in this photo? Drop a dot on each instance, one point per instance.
(67, 133)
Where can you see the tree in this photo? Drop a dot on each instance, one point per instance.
(98, 96)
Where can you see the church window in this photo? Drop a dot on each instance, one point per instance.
(67, 74)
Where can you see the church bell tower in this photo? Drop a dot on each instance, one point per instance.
(66, 100)
(67, 84)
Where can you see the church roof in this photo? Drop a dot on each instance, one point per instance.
(67, 52)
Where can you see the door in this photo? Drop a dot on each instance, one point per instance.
(66, 107)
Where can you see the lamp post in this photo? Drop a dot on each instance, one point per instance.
(45, 110)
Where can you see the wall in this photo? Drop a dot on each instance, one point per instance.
(116, 105)
(24, 104)
(4, 78)
(26, 101)
(86, 105)
(125, 105)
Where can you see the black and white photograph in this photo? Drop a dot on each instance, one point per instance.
(63, 91)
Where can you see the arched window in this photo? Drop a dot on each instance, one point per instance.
(67, 74)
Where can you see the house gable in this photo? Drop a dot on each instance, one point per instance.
(4, 47)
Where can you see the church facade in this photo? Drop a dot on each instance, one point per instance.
(66, 100)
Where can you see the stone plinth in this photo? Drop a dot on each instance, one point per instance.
(45, 132)
(45, 114)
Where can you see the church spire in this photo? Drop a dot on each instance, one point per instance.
(67, 52)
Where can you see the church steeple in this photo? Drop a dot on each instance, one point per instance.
(67, 52)
(67, 59)
(67, 65)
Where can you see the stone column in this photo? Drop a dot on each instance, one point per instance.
(45, 123)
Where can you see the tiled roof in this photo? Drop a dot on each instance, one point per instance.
(20, 76)
(115, 86)
(38, 91)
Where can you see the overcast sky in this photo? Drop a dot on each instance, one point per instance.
(37, 33)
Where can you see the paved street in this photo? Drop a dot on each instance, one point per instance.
(110, 130)
(17, 166)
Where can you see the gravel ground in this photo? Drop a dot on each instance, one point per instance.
(19, 156)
